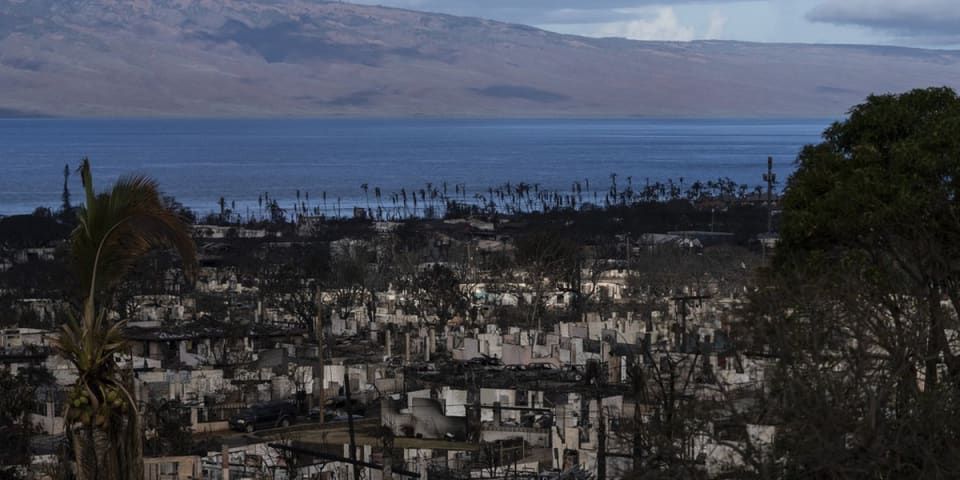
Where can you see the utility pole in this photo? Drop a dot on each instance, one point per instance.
(770, 178)
(601, 434)
(318, 330)
(225, 462)
(353, 439)
(638, 396)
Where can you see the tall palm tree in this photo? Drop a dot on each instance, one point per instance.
(115, 230)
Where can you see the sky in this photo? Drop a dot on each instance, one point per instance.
(912, 23)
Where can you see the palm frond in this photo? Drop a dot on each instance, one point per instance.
(116, 229)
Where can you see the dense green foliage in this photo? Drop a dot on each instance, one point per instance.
(862, 307)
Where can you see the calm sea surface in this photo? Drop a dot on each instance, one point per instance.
(199, 161)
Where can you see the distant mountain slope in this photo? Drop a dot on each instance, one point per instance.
(307, 58)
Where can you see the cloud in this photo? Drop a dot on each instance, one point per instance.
(540, 12)
(634, 19)
(715, 25)
(926, 20)
(659, 24)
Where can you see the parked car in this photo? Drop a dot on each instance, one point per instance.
(333, 415)
(486, 363)
(493, 364)
(328, 416)
(264, 415)
(425, 369)
(541, 366)
(544, 370)
(342, 417)
(574, 373)
(340, 403)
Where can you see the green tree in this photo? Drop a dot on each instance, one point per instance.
(116, 228)
(864, 299)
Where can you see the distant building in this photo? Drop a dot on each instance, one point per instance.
(707, 238)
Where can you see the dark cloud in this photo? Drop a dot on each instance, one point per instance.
(926, 20)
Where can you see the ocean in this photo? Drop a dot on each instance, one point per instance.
(198, 161)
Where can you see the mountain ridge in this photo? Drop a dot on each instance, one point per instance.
(298, 58)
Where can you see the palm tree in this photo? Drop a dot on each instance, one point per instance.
(115, 230)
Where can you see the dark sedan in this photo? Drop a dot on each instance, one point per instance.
(264, 415)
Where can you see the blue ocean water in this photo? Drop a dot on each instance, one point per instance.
(199, 161)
